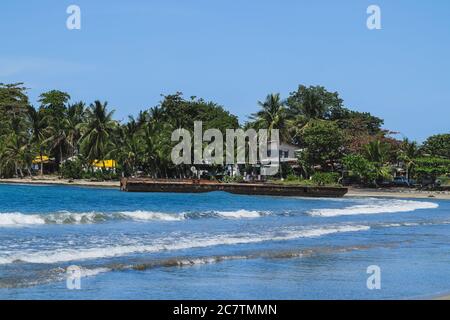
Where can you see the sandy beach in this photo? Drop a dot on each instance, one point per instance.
(398, 193)
(56, 181)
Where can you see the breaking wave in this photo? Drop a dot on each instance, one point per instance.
(60, 274)
(20, 219)
(387, 206)
(240, 214)
(67, 255)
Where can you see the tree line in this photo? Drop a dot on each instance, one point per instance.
(333, 139)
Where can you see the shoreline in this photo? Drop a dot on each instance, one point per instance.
(352, 192)
(62, 182)
(398, 193)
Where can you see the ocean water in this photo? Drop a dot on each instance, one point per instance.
(218, 245)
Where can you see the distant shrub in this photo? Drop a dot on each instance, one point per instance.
(235, 179)
(72, 169)
(325, 178)
(291, 177)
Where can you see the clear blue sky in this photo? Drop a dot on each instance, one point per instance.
(236, 52)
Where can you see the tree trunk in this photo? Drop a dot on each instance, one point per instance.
(279, 165)
(60, 154)
(42, 162)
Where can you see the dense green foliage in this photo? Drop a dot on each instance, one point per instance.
(333, 141)
(325, 178)
(432, 167)
(75, 136)
(437, 146)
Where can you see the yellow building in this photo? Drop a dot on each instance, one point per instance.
(107, 164)
(39, 160)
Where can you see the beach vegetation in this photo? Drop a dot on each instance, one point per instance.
(334, 143)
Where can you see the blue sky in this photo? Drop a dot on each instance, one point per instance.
(236, 52)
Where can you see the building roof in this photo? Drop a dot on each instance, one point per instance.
(109, 164)
(43, 159)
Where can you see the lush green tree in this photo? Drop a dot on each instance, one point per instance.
(18, 152)
(322, 145)
(181, 113)
(56, 136)
(273, 116)
(377, 152)
(409, 152)
(37, 125)
(437, 146)
(75, 117)
(360, 167)
(54, 103)
(432, 167)
(97, 131)
(54, 108)
(356, 121)
(314, 102)
(13, 99)
(126, 149)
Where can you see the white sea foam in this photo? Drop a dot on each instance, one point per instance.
(93, 272)
(18, 219)
(65, 217)
(385, 206)
(240, 214)
(67, 255)
(149, 215)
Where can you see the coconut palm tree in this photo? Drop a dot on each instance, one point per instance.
(125, 149)
(75, 116)
(18, 152)
(97, 131)
(408, 153)
(273, 116)
(56, 133)
(377, 153)
(37, 125)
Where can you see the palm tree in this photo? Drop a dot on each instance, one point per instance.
(308, 106)
(56, 133)
(125, 149)
(75, 116)
(409, 151)
(272, 116)
(17, 152)
(37, 126)
(377, 153)
(97, 131)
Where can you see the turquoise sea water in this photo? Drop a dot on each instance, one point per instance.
(218, 246)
